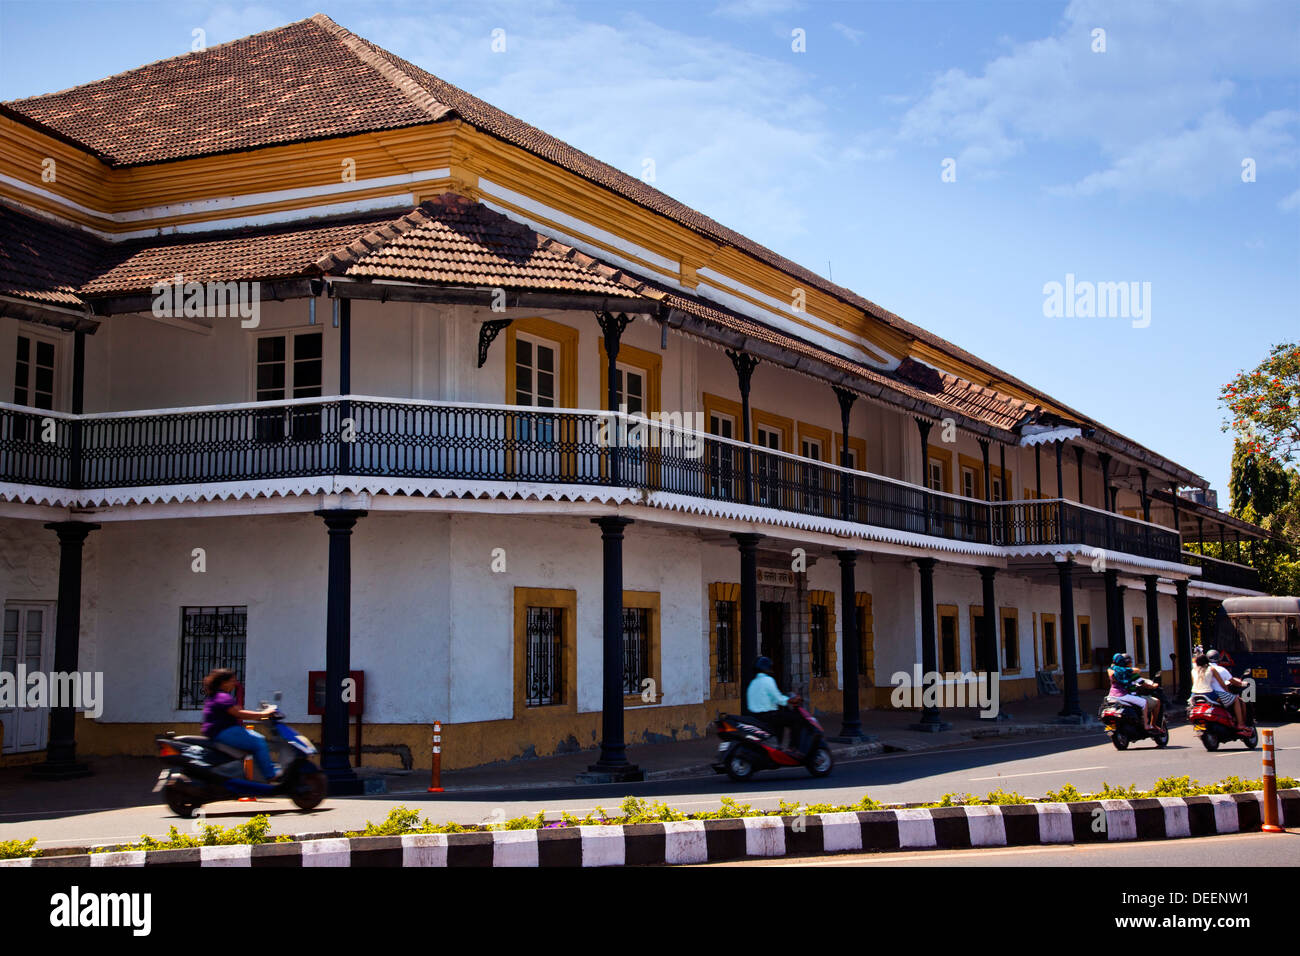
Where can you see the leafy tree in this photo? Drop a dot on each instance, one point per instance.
(1266, 494)
(1265, 405)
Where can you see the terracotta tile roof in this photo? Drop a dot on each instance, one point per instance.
(261, 253)
(314, 79)
(452, 240)
(44, 261)
(295, 83)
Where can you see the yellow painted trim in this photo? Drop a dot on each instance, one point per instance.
(649, 362)
(564, 336)
(816, 433)
(826, 599)
(977, 466)
(942, 611)
(856, 445)
(866, 626)
(1085, 662)
(1046, 618)
(724, 591)
(1003, 614)
(567, 600)
(774, 422)
(650, 601)
(945, 456)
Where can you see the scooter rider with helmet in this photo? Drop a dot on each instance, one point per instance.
(1125, 682)
(766, 702)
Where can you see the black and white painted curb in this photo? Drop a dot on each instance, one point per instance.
(710, 841)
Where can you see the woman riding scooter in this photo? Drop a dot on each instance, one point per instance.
(222, 716)
(1213, 680)
(1124, 684)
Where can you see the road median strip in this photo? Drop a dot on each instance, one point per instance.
(734, 837)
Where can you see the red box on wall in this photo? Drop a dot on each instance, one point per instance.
(316, 693)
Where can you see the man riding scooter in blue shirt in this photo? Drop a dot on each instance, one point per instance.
(767, 703)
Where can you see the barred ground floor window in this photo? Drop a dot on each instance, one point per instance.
(211, 637)
(545, 650)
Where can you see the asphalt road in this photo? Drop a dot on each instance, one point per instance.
(1030, 766)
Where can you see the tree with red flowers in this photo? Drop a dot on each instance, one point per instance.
(1264, 405)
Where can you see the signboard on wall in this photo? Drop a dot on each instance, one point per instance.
(775, 578)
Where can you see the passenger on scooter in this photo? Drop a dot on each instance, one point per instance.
(222, 716)
(766, 702)
(1213, 680)
(1124, 682)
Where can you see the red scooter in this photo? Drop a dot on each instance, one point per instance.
(1214, 723)
(748, 746)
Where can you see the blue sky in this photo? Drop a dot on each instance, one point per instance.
(1122, 165)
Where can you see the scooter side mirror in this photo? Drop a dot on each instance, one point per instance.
(277, 696)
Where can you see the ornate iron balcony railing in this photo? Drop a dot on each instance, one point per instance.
(1223, 572)
(365, 436)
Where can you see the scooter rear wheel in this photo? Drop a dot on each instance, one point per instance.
(310, 790)
(1120, 740)
(739, 767)
(821, 762)
(1209, 741)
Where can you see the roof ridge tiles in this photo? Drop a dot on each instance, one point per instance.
(364, 52)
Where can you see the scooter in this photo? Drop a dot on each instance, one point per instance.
(1214, 724)
(201, 770)
(1125, 724)
(748, 746)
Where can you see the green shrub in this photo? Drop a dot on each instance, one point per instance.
(1067, 794)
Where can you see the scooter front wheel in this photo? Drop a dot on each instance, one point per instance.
(739, 767)
(310, 790)
(178, 802)
(1252, 741)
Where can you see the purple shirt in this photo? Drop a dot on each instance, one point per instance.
(216, 714)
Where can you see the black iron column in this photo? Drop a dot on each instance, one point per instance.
(1153, 625)
(988, 487)
(339, 523)
(61, 751)
(78, 407)
(930, 720)
(924, 427)
(1069, 645)
(846, 399)
(1114, 617)
(345, 384)
(612, 765)
(1183, 684)
(612, 326)
(988, 640)
(1122, 631)
(1060, 495)
(1079, 452)
(1038, 492)
(744, 364)
(748, 611)
(1104, 458)
(851, 727)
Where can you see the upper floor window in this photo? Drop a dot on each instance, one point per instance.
(290, 365)
(630, 385)
(34, 372)
(934, 475)
(535, 371)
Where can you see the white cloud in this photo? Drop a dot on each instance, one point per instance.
(1291, 202)
(1170, 106)
(849, 33)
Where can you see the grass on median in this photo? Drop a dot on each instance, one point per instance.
(402, 820)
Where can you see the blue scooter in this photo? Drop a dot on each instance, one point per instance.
(201, 770)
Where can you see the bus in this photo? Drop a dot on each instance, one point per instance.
(1259, 637)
